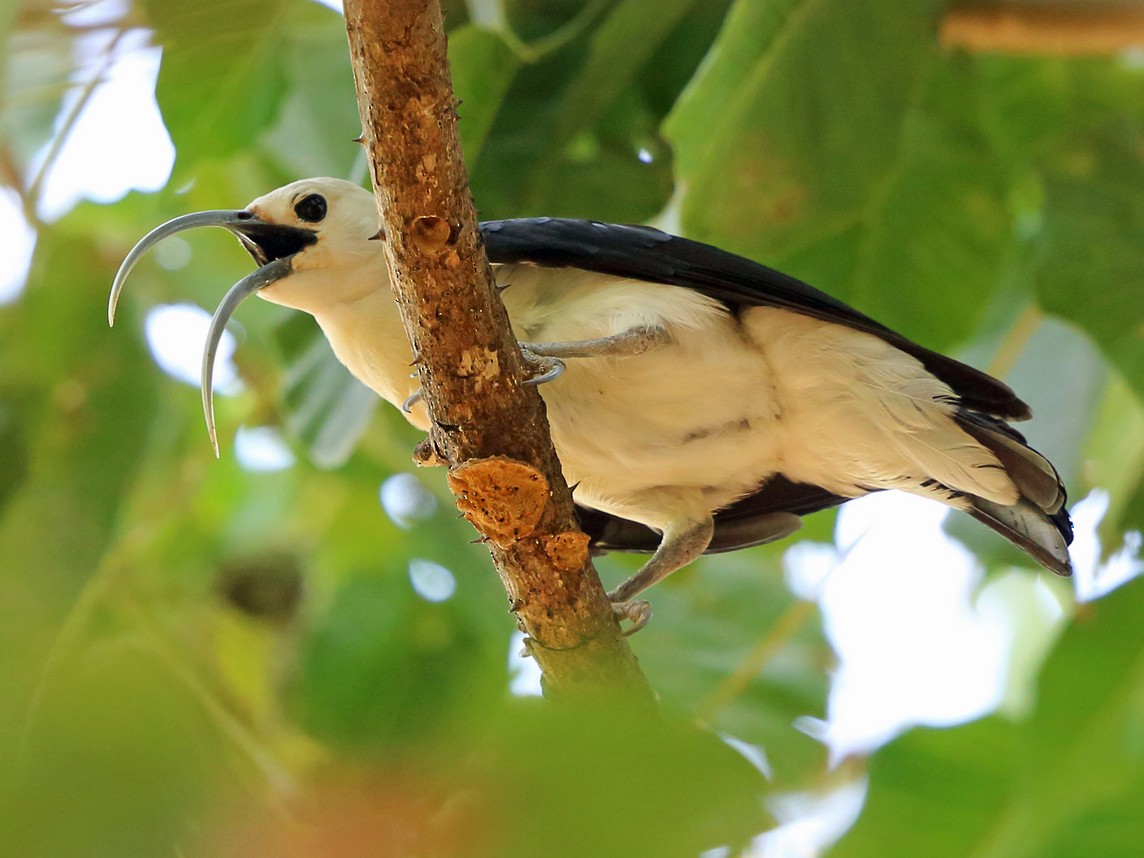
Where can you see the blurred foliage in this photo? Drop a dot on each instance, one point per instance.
(1066, 781)
(202, 659)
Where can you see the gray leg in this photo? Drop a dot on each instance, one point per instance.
(632, 342)
(682, 543)
(545, 358)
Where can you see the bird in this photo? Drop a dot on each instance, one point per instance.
(699, 401)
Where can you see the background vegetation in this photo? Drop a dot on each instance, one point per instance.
(203, 658)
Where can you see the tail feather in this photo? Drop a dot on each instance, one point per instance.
(1044, 536)
(1038, 523)
(1033, 475)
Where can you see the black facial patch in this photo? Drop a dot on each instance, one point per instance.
(269, 241)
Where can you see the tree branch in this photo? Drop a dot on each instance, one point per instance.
(1060, 29)
(486, 425)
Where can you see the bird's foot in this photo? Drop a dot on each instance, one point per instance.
(542, 368)
(636, 611)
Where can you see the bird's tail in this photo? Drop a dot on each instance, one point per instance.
(1038, 523)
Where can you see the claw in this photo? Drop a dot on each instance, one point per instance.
(637, 612)
(551, 368)
(413, 399)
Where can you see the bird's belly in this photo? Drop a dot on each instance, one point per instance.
(670, 433)
(691, 426)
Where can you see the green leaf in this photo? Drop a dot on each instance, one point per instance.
(766, 116)
(124, 751)
(710, 623)
(14, 453)
(618, 49)
(692, 792)
(221, 81)
(570, 132)
(483, 68)
(318, 119)
(322, 404)
(1115, 460)
(1067, 779)
(860, 174)
(79, 399)
(384, 667)
(1093, 247)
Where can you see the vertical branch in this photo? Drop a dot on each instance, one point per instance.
(489, 428)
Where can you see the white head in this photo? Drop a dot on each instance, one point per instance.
(342, 218)
(315, 240)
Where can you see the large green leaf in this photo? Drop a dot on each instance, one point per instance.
(1065, 782)
(221, 82)
(806, 140)
(314, 130)
(581, 119)
(831, 141)
(483, 67)
(711, 624)
(1094, 247)
(79, 402)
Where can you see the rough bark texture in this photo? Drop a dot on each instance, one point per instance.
(1064, 29)
(489, 428)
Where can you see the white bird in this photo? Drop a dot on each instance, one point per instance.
(708, 401)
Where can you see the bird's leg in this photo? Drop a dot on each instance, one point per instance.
(682, 543)
(632, 342)
(545, 359)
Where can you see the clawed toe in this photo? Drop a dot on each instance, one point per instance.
(637, 612)
(542, 368)
(413, 399)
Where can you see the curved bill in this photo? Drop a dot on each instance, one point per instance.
(226, 219)
(237, 293)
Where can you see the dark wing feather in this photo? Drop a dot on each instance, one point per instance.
(643, 253)
(734, 526)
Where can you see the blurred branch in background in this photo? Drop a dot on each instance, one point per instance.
(1075, 28)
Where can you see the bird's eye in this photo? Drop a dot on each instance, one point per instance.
(311, 208)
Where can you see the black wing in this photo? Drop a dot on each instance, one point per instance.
(740, 525)
(643, 253)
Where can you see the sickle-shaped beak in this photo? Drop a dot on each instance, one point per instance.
(272, 246)
(230, 220)
(239, 292)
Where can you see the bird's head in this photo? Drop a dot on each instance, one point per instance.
(313, 241)
(326, 227)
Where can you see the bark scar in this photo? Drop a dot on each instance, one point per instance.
(501, 497)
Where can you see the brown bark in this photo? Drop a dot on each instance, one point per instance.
(489, 427)
(1060, 29)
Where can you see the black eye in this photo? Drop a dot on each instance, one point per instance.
(311, 208)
